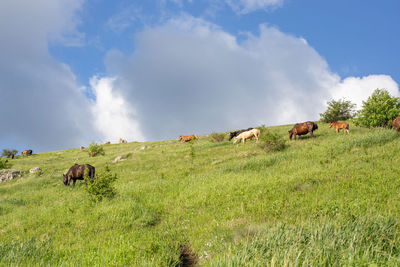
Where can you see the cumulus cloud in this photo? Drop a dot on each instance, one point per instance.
(113, 117)
(42, 104)
(358, 89)
(189, 76)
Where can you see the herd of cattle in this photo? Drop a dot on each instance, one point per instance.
(77, 172)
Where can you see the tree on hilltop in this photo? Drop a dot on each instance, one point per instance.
(8, 152)
(379, 110)
(339, 110)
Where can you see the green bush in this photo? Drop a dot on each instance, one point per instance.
(340, 110)
(8, 152)
(4, 164)
(271, 142)
(94, 149)
(379, 110)
(101, 186)
(217, 137)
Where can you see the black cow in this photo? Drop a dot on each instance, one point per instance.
(77, 172)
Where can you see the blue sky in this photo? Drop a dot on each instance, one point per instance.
(97, 70)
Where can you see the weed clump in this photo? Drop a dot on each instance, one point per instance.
(217, 137)
(94, 149)
(271, 142)
(101, 186)
(4, 164)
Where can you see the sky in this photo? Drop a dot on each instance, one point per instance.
(76, 71)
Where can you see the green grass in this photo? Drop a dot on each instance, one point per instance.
(329, 200)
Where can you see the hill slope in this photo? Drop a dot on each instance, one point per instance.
(332, 199)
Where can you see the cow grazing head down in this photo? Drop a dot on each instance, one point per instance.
(236, 133)
(302, 129)
(79, 172)
(290, 134)
(246, 135)
(65, 179)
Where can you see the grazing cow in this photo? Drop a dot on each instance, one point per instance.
(236, 133)
(340, 125)
(107, 143)
(187, 138)
(396, 123)
(303, 128)
(247, 135)
(77, 172)
(121, 141)
(27, 152)
(82, 148)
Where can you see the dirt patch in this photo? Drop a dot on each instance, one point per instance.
(187, 257)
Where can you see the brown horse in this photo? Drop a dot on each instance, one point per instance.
(27, 152)
(77, 172)
(187, 138)
(340, 125)
(396, 123)
(303, 128)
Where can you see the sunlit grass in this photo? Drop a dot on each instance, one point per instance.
(329, 200)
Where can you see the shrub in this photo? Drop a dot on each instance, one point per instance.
(217, 137)
(101, 186)
(7, 152)
(4, 164)
(94, 149)
(379, 110)
(340, 110)
(271, 142)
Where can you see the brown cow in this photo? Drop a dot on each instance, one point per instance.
(340, 125)
(27, 152)
(303, 128)
(187, 138)
(77, 172)
(396, 123)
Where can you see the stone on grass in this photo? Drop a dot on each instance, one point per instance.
(6, 175)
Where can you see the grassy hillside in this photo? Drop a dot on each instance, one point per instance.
(329, 200)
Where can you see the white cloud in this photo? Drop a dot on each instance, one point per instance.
(113, 117)
(45, 107)
(189, 76)
(358, 89)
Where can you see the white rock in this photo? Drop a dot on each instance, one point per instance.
(6, 175)
(35, 170)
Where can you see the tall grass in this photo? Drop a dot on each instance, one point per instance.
(364, 241)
